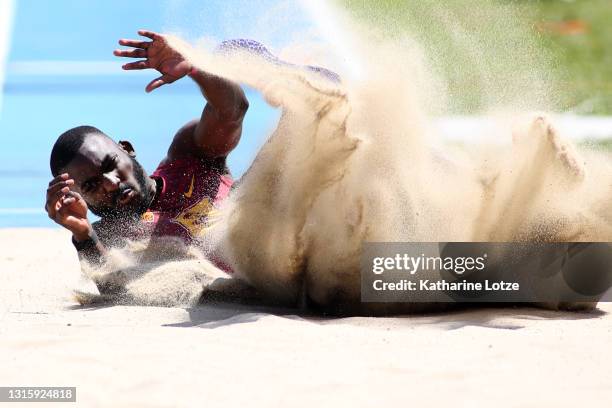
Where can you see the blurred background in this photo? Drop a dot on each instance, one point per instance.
(570, 40)
(57, 70)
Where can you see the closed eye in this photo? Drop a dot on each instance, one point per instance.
(109, 163)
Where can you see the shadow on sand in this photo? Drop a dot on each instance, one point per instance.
(214, 315)
(227, 303)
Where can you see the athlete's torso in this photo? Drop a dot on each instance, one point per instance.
(191, 192)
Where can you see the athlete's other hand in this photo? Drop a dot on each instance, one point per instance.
(67, 208)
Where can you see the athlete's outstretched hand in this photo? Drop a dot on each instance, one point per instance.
(163, 53)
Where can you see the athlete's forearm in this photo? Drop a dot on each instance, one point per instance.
(226, 97)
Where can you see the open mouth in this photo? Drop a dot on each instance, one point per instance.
(125, 197)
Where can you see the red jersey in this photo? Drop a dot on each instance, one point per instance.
(187, 205)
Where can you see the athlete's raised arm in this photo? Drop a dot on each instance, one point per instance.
(220, 126)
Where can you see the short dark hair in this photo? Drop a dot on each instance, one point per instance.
(67, 146)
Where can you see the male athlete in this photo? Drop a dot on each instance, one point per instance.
(93, 172)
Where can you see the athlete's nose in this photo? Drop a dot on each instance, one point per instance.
(110, 182)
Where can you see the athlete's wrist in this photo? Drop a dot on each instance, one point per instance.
(87, 244)
(83, 234)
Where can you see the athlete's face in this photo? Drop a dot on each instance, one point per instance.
(110, 180)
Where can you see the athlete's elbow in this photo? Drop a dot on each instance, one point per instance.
(234, 112)
(220, 150)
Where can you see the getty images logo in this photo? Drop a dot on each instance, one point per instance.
(413, 264)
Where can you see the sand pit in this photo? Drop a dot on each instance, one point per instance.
(230, 355)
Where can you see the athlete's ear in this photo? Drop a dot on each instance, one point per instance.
(127, 146)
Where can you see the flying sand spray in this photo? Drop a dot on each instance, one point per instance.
(352, 162)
